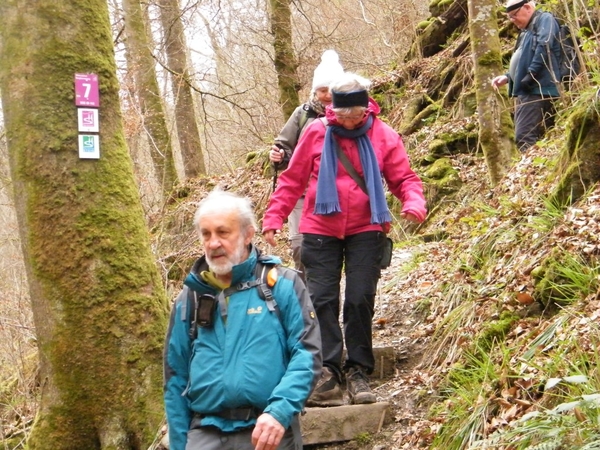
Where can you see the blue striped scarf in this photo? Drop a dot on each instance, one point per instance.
(327, 201)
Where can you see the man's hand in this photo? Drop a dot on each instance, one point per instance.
(276, 154)
(267, 433)
(269, 236)
(499, 81)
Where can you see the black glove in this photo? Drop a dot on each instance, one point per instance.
(528, 82)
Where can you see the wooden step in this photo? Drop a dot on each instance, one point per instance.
(385, 363)
(342, 423)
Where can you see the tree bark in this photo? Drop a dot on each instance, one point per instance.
(286, 63)
(141, 63)
(98, 304)
(495, 124)
(185, 111)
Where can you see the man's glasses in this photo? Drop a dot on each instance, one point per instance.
(511, 15)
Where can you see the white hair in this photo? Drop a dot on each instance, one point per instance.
(220, 201)
(350, 82)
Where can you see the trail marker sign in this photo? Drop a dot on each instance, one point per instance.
(86, 90)
(87, 120)
(89, 146)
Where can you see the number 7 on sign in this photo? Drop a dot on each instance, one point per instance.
(87, 87)
(86, 90)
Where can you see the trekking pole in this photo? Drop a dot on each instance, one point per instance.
(275, 166)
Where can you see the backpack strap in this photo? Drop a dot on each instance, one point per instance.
(265, 279)
(302, 121)
(264, 290)
(188, 312)
(307, 113)
(350, 169)
(534, 29)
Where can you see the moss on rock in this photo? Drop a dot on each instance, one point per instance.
(463, 141)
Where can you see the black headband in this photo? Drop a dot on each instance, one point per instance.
(350, 99)
(516, 5)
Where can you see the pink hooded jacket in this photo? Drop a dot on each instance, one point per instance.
(355, 210)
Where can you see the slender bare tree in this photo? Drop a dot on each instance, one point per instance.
(140, 61)
(185, 112)
(232, 46)
(495, 124)
(98, 304)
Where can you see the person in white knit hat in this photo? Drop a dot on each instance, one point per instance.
(328, 70)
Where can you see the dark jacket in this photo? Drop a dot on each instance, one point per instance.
(290, 134)
(252, 358)
(539, 56)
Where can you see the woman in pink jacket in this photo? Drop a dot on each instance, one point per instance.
(344, 225)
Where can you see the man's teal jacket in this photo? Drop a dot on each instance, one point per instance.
(252, 357)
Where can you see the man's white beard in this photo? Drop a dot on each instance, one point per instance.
(225, 267)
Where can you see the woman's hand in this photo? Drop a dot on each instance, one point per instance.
(410, 217)
(276, 154)
(269, 236)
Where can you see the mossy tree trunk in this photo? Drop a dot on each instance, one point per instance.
(98, 303)
(494, 120)
(286, 63)
(185, 111)
(579, 165)
(142, 65)
(433, 38)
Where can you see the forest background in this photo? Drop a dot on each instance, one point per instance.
(240, 67)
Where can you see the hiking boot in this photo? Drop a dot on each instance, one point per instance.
(327, 391)
(358, 387)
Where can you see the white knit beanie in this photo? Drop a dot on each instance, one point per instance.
(328, 70)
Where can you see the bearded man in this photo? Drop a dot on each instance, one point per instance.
(239, 365)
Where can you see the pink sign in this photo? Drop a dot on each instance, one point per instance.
(88, 119)
(86, 90)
